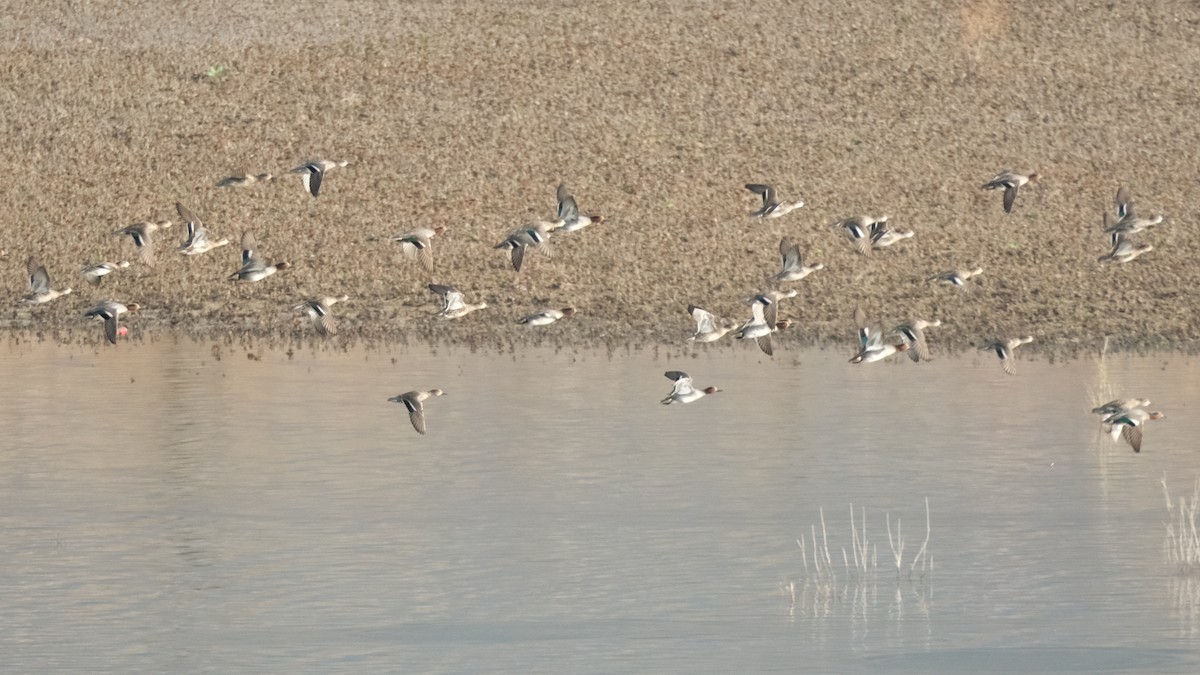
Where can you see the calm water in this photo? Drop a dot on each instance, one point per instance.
(168, 510)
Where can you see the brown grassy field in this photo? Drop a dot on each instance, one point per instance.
(468, 114)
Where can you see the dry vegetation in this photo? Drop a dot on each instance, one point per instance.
(469, 114)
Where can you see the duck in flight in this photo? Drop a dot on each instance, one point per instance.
(414, 401)
(39, 284)
(254, 266)
(771, 207)
(312, 174)
(1010, 182)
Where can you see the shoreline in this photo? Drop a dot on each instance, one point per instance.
(556, 338)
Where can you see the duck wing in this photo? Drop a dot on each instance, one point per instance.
(39, 279)
(192, 222)
(1133, 436)
(249, 249)
(1010, 196)
(767, 192)
(568, 209)
(312, 177)
(683, 383)
(705, 322)
(789, 251)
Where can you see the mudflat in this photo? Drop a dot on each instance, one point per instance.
(468, 115)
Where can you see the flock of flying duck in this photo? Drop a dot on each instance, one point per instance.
(1122, 418)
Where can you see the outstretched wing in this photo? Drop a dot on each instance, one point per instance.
(110, 327)
(416, 413)
(450, 295)
(192, 222)
(518, 255)
(919, 349)
(249, 248)
(568, 210)
(1132, 436)
(1006, 358)
(323, 320)
(770, 312)
(683, 383)
(1010, 196)
(864, 329)
(790, 252)
(705, 323)
(764, 343)
(1124, 202)
(312, 179)
(39, 279)
(453, 300)
(767, 192)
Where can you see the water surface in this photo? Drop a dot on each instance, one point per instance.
(182, 507)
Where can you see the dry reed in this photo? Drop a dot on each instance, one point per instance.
(1181, 546)
(823, 586)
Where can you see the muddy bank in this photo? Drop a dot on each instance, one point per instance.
(468, 115)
